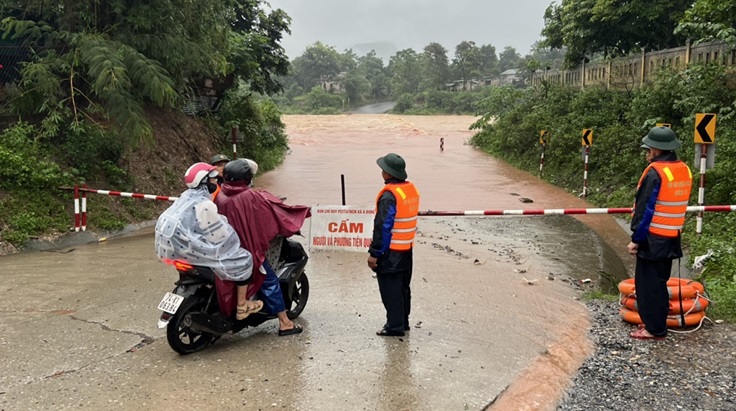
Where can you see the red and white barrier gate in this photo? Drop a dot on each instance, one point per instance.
(80, 218)
(80, 193)
(567, 211)
(131, 195)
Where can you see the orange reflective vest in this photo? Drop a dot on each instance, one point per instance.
(217, 191)
(674, 193)
(405, 221)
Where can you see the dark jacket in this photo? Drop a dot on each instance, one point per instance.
(389, 261)
(651, 246)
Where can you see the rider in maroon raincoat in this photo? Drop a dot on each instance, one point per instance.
(258, 217)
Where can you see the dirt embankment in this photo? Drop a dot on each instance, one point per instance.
(153, 168)
(179, 141)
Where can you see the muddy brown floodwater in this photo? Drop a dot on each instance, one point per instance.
(462, 178)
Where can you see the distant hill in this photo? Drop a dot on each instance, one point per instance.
(383, 49)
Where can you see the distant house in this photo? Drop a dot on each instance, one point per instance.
(333, 84)
(510, 76)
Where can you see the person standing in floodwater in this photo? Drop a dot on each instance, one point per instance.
(391, 251)
(442, 144)
(659, 214)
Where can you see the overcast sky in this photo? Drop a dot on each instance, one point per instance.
(413, 23)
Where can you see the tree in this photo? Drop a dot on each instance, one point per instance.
(372, 67)
(710, 20)
(508, 59)
(547, 57)
(436, 66)
(357, 87)
(256, 54)
(405, 70)
(348, 61)
(467, 62)
(489, 60)
(108, 59)
(612, 28)
(318, 63)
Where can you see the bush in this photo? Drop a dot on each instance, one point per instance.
(29, 213)
(25, 163)
(318, 99)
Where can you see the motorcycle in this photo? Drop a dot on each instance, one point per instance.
(191, 313)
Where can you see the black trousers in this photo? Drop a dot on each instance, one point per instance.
(396, 297)
(652, 298)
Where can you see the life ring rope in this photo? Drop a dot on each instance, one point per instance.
(694, 291)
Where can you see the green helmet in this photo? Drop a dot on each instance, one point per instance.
(394, 165)
(661, 138)
(219, 158)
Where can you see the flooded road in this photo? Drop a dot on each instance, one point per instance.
(495, 310)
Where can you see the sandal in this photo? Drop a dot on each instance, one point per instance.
(245, 310)
(643, 334)
(291, 331)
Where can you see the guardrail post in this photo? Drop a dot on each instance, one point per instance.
(76, 208)
(84, 208)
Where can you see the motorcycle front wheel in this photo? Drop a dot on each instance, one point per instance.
(180, 336)
(299, 295)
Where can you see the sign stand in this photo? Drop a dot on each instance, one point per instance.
(543, 135)
(701, 188)
(587, 141)
(585, 172)
(705, 135)
(541, 162)
(234, 135)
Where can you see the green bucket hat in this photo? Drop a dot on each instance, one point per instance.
(393, 164)
(661, 138)
(219, 158)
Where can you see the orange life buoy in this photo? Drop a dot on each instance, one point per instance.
(673, 321)
(677, 287)
(688, 304)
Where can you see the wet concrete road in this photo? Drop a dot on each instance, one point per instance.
(77, 326)
(377, 108)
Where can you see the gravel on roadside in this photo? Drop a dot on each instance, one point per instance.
(694, 371)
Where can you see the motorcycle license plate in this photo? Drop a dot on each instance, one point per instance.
(170, 303)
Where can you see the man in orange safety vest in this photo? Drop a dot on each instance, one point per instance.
(657, 219)
(391, 251)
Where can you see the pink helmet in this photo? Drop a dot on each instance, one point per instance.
(198, 173)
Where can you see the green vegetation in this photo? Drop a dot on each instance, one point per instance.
(589, 27)
(513, 118)
(325, 81)
(94, 75)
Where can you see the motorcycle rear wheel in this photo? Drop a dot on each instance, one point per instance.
(299, 296)
(181, 338)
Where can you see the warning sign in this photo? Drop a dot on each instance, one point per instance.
(587, 137)
(341, 228)
(705, 128)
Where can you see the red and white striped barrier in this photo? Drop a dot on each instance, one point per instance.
(131, 195)
(80, 193)
(568, 211)
(80, 218)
